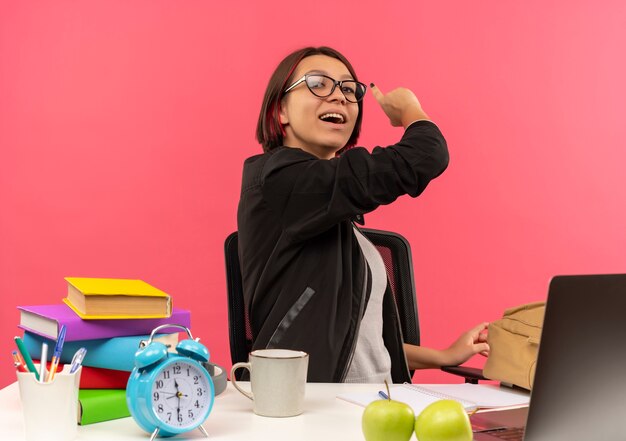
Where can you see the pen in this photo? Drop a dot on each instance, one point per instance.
(58, 348)
(383, 395)
(77, 359)
(42, 362)
(26, 357)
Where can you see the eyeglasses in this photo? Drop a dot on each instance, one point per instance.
(323, 86)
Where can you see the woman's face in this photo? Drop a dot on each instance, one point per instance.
(305, 116)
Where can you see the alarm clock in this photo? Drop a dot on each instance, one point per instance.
(170, 393)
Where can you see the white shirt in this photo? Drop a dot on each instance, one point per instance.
(371, 362)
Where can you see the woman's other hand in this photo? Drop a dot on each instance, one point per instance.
(467, 345)
(400, 105)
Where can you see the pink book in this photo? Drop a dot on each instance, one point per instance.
(46, 320)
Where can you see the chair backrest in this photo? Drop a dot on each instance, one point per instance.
(239, 331)
(396, 253)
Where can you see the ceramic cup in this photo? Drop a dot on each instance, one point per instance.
(277, 379)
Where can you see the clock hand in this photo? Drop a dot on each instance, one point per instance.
(177, 396)
(178, 392)
(174, 394)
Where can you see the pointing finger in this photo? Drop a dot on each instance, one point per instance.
(377, 93)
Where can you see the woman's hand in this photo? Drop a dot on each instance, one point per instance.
(467, 345)
(400, 105)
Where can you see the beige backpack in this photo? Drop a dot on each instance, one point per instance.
(513, 342)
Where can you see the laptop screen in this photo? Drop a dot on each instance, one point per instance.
(579, 392)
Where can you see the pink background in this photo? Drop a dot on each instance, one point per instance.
(123, 127)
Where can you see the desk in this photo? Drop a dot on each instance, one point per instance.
(325, 418)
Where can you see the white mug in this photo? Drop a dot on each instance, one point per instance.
(277, 379)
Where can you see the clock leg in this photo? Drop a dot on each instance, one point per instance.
(154, 434)
(203, 430)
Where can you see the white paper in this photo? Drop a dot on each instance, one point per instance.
(418, 396)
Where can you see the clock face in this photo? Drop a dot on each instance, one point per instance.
(181, 395)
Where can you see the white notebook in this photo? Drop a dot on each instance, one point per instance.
(471, 396)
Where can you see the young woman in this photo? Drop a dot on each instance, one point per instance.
(311, 280)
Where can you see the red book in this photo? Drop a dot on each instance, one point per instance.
(98, 378)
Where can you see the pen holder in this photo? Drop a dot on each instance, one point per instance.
(50, 409)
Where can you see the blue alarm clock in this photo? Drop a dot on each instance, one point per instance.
(170, 393)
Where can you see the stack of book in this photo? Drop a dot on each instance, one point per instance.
(108, 317)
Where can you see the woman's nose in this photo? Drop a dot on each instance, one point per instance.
(337, 95)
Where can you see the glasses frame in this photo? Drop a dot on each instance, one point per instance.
(335, 84)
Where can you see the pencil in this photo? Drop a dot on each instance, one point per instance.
(18, 362)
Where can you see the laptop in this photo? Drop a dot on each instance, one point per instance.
(579, 391)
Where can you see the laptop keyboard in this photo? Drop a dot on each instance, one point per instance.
(511, 433)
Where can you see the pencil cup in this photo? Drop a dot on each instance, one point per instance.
(50, 409)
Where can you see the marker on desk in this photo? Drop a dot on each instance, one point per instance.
(77, 359)
(383, 395)
(42, 362)
(58, 348)
(26, 356)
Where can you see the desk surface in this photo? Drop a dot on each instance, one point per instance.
(325, 417)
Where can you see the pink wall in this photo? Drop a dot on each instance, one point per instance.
(123, 127)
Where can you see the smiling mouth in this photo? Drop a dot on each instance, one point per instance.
(334, 118)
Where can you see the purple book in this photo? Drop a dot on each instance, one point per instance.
(46, 320)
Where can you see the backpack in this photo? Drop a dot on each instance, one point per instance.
(514, 343)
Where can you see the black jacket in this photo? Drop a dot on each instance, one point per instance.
(305, 279)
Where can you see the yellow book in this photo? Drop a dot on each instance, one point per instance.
(93, 298)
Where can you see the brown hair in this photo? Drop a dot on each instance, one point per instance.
(269, 130)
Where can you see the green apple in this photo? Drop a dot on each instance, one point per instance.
(443, 420)
(388, 420)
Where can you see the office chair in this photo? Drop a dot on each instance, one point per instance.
(396, 253)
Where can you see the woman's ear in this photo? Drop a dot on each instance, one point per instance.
(282, 113)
